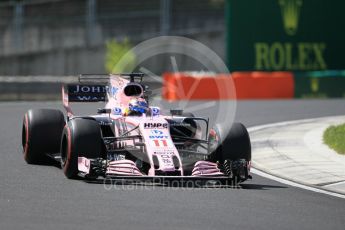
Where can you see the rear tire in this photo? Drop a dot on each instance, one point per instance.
(80, 138)
(41, 134)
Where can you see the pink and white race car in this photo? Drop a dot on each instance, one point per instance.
(140, 146)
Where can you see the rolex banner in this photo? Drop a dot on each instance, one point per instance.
(294, 35)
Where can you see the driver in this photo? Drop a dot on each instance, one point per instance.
(136, 107)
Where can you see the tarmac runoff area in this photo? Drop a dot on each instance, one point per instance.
(294, 151)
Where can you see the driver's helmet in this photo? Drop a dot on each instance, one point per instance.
(136, 106)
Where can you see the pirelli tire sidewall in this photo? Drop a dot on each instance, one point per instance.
(80, 138)
(41, 134)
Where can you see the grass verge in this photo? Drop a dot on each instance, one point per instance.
(334, 137)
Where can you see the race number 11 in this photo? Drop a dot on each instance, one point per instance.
(160, 143)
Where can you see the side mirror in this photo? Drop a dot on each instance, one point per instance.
(176, 112)
(101, 111)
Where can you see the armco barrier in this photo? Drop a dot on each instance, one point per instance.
(17, 88)
(177, 86)
(40, 88)
(241, 85)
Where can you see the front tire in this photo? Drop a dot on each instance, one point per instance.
(80, 138)
(233, 150)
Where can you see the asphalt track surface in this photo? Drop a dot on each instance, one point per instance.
(40, 197)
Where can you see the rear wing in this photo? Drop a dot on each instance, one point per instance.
(85, 93)
(82, 93)
(92, 88)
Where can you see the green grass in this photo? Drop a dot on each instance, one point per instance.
(334, 137)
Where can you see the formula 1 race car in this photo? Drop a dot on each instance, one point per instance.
(128, 139)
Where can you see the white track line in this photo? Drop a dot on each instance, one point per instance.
(284, 123)
(294, 184)
(285, 181)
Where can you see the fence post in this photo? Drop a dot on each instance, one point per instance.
(165, 17)
(17, 41)
(91, 22)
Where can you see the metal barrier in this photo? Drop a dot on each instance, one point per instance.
(30, 26)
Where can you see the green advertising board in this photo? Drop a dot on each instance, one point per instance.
(294, 35)
(320, 84)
